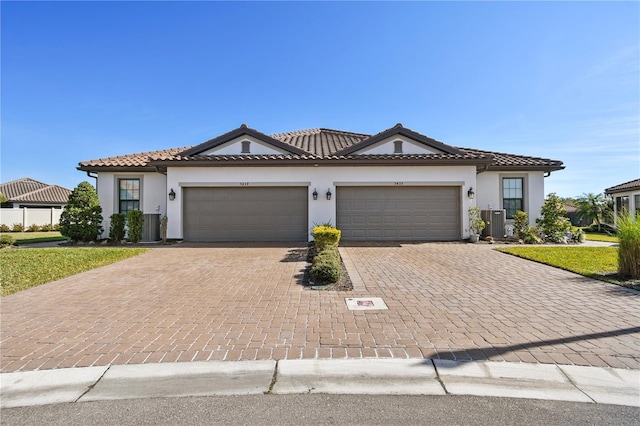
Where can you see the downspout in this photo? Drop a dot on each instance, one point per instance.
(94, 177)
(547, 174)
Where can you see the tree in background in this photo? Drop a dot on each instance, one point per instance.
(3, 199)
(82, 216)
(592, 207)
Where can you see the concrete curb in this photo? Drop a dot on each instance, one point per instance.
(337, 376)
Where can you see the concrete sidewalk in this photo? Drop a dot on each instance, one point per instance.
(600, 385)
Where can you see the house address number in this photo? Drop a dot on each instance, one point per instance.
(398, 183)
(244, 183)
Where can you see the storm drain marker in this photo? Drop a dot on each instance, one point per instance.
(365, 303)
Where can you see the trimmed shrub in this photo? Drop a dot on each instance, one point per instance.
(6, 240)
(326, 236)
(135, 222)
(629, 245)
(4, 228)
(116, 229)
(326, 266)
(82, 217)
(47, 227)
(33, 228)
(56, 227)
(17, 227)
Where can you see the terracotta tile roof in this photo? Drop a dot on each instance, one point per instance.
(322, 146)
(623, 187)
(138, 160)
(520, 162)
(33, 191)
(321, 142)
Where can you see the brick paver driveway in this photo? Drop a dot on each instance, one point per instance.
(186, 303)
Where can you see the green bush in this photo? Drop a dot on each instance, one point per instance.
(47, 227)
(116, 229)
(164, 223)
(4, 228)
(326, 266)
(629, 245)
(135, 222)
(6, 240)
(82, 217)
(520, 223)
(33, 228)
(56, 227)
(326, 236)
(578, 235)
(17, 227)
(553, 223)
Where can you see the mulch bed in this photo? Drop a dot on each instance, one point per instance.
(343, 284)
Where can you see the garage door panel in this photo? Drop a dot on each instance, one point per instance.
(392, 213)
(245, 214)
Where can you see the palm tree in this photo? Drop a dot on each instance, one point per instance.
(591, 206)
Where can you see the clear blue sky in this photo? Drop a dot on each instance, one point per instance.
(87, 80)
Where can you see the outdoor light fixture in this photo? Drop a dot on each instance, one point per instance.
(470, 193)
(328, 194)
(315, 194)
(172, 195)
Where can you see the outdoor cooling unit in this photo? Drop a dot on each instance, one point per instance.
(497, 220)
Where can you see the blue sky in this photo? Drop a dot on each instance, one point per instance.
(560, 80)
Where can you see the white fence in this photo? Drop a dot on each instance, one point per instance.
(29, 216)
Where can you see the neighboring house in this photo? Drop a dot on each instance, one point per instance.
(626, 197)
(574, 217)
(30, 193)
(30, 202)
(247, 186)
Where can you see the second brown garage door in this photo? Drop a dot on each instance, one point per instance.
(245, 214)
(420, 213)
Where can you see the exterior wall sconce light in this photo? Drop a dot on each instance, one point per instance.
(328, 194)
(315, 194)
(172, 195)
(470, 193)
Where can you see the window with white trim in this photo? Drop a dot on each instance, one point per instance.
(128, 195)
(512, 195)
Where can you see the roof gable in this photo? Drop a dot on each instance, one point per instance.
(398, 132)
(236, 136)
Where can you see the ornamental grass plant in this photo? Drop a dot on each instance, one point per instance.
(628, 231)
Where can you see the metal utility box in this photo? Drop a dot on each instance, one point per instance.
(151, 228)
(497, 221)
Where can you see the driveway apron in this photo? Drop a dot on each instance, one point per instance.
(221, 302)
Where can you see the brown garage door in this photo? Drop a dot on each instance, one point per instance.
(399, 213)
(245, 214)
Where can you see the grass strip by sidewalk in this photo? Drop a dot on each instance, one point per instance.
(600, 263)
(25, 268)
(602, 237)
(35, 237)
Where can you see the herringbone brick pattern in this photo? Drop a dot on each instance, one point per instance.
(219, 302)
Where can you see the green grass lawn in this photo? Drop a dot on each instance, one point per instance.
(35, 237)
(25, 268)
(595, 262)
(602, 237)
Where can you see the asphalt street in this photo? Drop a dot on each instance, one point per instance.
(320, 409)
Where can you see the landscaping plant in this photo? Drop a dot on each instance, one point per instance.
(326, 265)
(527, 233)
(82, 217)
(116, 229)
(17, 227)
(6, 240)
(164, 223)
(326, 235)
(476, 224)
(629, 245)
(135, 222)
(553, 223)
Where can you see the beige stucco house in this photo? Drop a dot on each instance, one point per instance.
(626, 197)
(245, 185)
